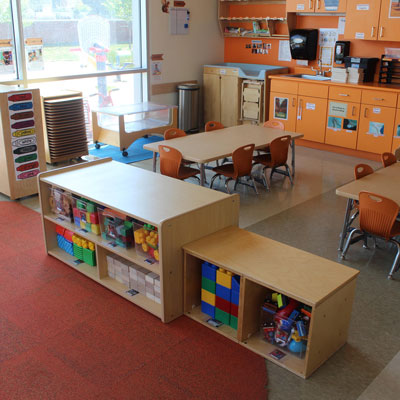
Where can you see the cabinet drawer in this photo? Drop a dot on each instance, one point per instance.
(378, 98)
(342, 93)
(284, 86)
(313, 90)
(221, 71)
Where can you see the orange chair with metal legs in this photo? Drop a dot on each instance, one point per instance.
(388, 159)
(173, 133)
(171, 164)
(271, 124)
(377, 219)
(213, 126)
(277, 157)
(241, 166)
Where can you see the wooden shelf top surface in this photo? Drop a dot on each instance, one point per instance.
(148, 196)
(384, 181)
(298, 274)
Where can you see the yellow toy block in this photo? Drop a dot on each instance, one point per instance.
(88, 216)
(208, 297)
(224, 278)
(83, 224)
(96, 229)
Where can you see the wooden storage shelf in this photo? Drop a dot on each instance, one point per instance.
(182, 211)
(266, 266)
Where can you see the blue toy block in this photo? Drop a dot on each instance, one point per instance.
(77, 221)
(294, 314)
(223, 292)
(235, 289)
(208, 309)
(301, 328)
(209, 271)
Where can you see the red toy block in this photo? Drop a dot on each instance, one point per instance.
(77, 214)
(60, 230)
(68, 235)
(223, 304)
(94, 218)
(234, 310)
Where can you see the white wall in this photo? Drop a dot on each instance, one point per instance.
(184, 55)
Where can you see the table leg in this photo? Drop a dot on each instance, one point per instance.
(202, 174)
(345, 224)
(293, 158)
(154, 161)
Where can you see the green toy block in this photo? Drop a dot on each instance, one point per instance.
(78, 252)
(90, 207)
(88, 226)
(128, 224)
(234, 322)
(81, 204)
(89, 257)
(208, 284)
(222, 316)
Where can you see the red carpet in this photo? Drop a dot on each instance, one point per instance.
(62, 336)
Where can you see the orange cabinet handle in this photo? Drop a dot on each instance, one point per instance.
(365, 112)
(344, 94)
(378, 99)
(353, 111)
(381, 32)
(373, 31)
(293, 102)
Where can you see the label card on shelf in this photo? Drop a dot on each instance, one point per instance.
(132, 292)
(214, 322)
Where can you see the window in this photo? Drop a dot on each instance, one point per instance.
(97, 47)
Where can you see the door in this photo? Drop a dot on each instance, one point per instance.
(396, 132)
(311, 117)
(342, 124)
(300, 5)
(376, 129)
(230, 95)
(212, 97)
(364, 17)
(282, 107)
(389, 21)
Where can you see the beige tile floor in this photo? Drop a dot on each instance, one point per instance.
(309, 215)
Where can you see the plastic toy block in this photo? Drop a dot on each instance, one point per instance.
(233, 322)
(78, 252)
(77, 221)
(222, 316)
(90, 207)
(301, 328)
(224, 278)
(94, 218)
(234, 310)
(69, 248)
(235, 297)
(68, 235)
(207, 284)
(294, 314)
(88, 226)
(235, 289)
(274, 297)
(60, 230)
(209, 271)
(208, 309)
(76, 212)
(59, 240)
(82, 224)
(222, 304)
(208, 297)
(89, 257)
(81, 204)
(96, 229)
(223, 292)
(87, 216)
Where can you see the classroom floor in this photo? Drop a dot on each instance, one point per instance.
(309, 216)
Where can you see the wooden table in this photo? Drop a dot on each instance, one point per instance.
(385, 181)
(205, 147)
(120, 126)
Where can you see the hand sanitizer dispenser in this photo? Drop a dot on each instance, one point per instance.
(342, 50)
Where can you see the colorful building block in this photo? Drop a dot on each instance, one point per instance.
(89, 257)
(222, 316)
(208, 297)
(235, 289)
(223, 304)
(233, 323)
(95, 228)
(208, 309)
(223, 292)
(234, 310)
(207, 284)
(209, 271)
(224, 278)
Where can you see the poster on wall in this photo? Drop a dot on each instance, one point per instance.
(23, 135)
(156, 70)
(6, 57)
(394, 9)
(34, 54)
(327, 40)
(350, 124)
(334, 123)
(397, 131)
(376, 129)
(281, 108)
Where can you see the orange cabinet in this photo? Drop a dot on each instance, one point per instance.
(342, 124)
(311, 117)
(396, 131)
(317, 6)
(376, 128)
(282, 107)
(372, 20)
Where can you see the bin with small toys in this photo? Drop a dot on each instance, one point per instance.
(84, 250)
(146, 240)
(61, 204)
(285, 322)
(64, 239)
(116, 227)
(86, 215)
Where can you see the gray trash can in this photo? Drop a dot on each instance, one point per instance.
(188, 119)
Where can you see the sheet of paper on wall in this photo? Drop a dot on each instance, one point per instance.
(284, 51)
(6, 57)
(179, 21)
(156, 70)
(327, 37)
(302, 62)
(326, 56)
(341, 25)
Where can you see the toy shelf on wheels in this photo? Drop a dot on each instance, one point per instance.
(124, 227)
(289, 306)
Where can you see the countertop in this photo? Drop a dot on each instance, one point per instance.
(249, 71)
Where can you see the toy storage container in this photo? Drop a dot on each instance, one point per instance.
(146, 241)
(116, 227)
(61, 204)
(86, 215)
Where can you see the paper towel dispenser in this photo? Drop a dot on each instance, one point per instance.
(303, 44)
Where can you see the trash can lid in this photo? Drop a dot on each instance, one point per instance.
(188, 86)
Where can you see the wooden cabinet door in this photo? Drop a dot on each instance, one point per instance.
(396, 132)
(282, 107)
(342, 124)
(311, 117)
(376, 129)
(230, 105)
(389, 21)
(212, 97)
(300, 5)
(330, 7)
(362, 19)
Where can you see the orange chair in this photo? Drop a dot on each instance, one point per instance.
(388, 159)
(377, 219)
(271, 124)
(241, 166)
(213, 126)
(173, 133)
(171, 164)
(277, 157)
